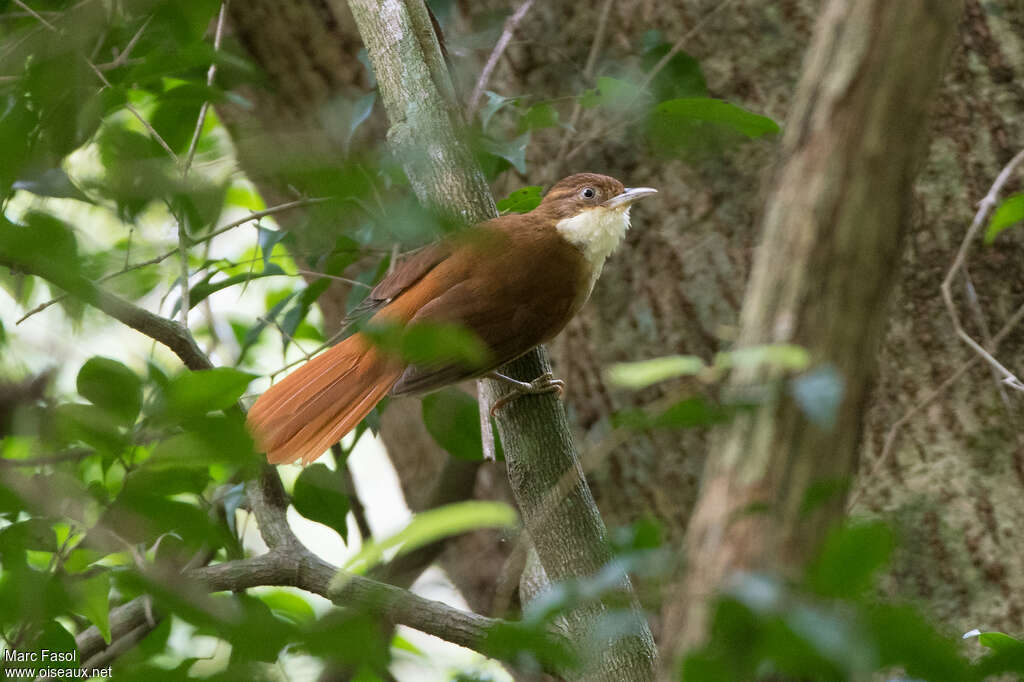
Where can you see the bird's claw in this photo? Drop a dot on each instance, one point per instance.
(545, 383)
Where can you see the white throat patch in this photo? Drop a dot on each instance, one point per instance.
(597, 232)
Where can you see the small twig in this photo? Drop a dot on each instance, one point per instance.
(346, 280)
(186, 303)
(990, 201)
(355, 502)
(167, 332)
(588, 74)
(647, 79)
(492, 61)
(210, 74)
(192, 242)
(897, 427)
(38, 17)
(137, 114)
(285, 334)
(971, 295)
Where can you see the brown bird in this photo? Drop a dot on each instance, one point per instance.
(514, 281)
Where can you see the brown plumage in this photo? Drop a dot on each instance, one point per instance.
(514, 281)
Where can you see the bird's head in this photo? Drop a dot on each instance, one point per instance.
(592, 212)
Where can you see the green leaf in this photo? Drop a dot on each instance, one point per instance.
(319, 495)
(199, 392)
(612, 93)
(643, 373)
(429, 343)
(109, 384)
(717, 111)
(539, 116)
(997, 641)
(523, 200)
(849, 560)
(779, 356)
(204, 289)
(452, 418)
(92, 600)
(1010, 212)
(695, 126)
(268, 239)
(289, 606)
(495, 102)
(177, 112)
(59, 643)
(429, 526)
(685, 414)
(89, 424)
(513, 150)
(53, 182)
(680, 77)
(906, 639)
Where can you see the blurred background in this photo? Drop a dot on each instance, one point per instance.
(124, 155)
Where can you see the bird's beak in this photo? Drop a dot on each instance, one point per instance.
(629, 196)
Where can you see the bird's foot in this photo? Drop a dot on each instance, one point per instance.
(545, 383)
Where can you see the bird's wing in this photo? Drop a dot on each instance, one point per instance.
(405, 274)
(509, 314)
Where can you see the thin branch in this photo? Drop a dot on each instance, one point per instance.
(990, 201)
(306, 571)
(137, 114)
(647, 79)
(492, 61)
(346, 280)
(167, 332)
(36, 15)
(186, 303)
(588, 74)
(256, 215)
(210, 74)
(892, 436)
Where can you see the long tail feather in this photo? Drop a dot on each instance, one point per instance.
(301, 416)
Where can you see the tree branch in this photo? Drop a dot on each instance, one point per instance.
(292, 565)
(571, 542)
(990, 201)
(833, 225)
(499, 49)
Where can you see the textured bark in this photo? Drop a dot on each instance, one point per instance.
(951, 482)
(309, 52)
(565, 526)
(832, 231)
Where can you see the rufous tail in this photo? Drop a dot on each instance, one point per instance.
(307, 412)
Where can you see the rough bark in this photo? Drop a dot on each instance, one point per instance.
(832, 231)
(951, 480)
(309, 52)
(426, 136)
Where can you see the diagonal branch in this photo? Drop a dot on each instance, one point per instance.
(492, 61)
(960, 262)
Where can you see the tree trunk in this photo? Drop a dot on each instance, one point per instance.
(950, 483)
(833, 227)
(951, 480)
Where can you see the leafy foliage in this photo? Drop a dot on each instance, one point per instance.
(831, 626)
(133, 468)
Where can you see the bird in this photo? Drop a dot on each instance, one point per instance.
(513, 281)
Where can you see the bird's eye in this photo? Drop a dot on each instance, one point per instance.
(588, 193)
